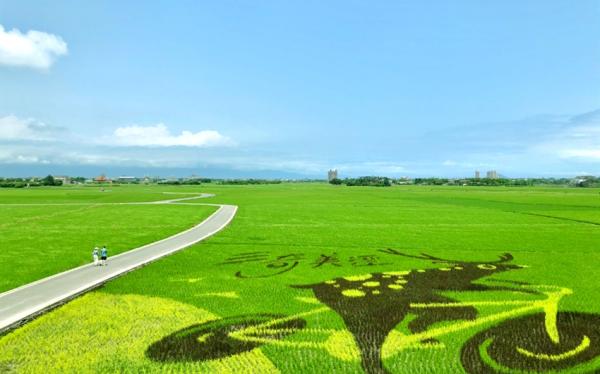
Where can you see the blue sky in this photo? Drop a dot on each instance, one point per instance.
(293, 88)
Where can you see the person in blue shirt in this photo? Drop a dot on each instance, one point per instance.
(103, 255)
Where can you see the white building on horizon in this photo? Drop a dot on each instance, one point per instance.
(126, 179)
(63, 178)
(332, 174)
(492, 174)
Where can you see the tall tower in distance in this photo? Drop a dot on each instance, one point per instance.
(477, 175)
(332, 174)
(492, 174)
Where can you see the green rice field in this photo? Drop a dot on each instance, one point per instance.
(41, 240)
(315, 278)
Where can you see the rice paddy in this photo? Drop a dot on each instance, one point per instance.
(321, 278)
(60, 228)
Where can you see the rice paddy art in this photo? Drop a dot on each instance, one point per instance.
(372, 305)
(216, 339)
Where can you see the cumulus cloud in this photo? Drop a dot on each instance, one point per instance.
(70, 153)
(160, 136)
(378, 167)
(29, 141)
(578, 139)
(33, 49)
(552, 145)
(464, 164)
(581, 153)
(17, 158)
(15, 128)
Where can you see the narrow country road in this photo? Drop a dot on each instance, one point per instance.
(25, 302)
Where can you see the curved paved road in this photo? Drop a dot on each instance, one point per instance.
(25, 302)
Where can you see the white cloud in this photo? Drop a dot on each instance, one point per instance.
(59, 154)
(465, 164)
(385, 168)
(563, 146)
(160, 136)
(33, 49)
(579, 139)
(12, 158)
(382, 167)
(450, 163)
(581, 153)
(29, 141)
(531, 146)
(15, 128)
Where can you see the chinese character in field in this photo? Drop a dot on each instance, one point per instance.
(280, 264)
(286, 261)
(327, 259)
(366, 260)
(246, 257)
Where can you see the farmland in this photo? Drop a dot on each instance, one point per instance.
(320, 278)
(40, 240)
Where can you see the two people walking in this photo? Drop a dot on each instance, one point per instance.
(103, 256)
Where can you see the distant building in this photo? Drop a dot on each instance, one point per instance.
(169, 180)
(63, 178)
(492, 174)
(584, 181)
(477, 174)
(102, 179)
(126, 179)
(332, 174)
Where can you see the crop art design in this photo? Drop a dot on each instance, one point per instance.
(273, 266)
(524, 332)
(373, 304)
(217, 339)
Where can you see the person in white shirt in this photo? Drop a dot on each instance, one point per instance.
(95, 256)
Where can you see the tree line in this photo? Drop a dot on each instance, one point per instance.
(581, 181)
(29, 182)
(364, 181)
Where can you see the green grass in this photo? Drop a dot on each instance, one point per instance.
(555, 232)
(38, 241)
